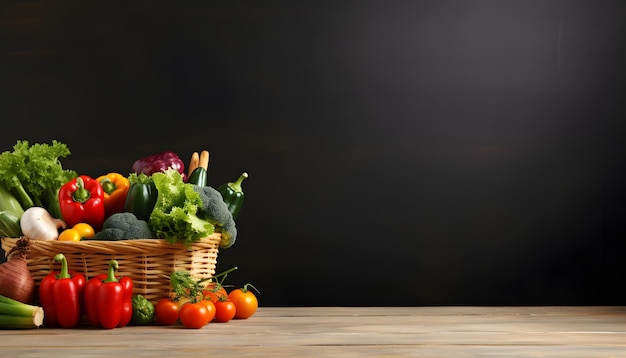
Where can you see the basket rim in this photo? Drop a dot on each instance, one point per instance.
(213, 239)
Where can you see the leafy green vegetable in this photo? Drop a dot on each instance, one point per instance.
(34, 174)
(184, 285)
(143, 311)
(175, 214)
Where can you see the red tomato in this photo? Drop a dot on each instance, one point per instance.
(166, 312)
(194, 315)
(213, 293)
(245, 302)
(224, 310)
(211, 307)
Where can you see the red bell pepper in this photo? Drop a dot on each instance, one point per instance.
(82, 201)
(108, 299)
(61, 295)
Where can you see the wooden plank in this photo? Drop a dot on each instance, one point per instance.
(352, 331)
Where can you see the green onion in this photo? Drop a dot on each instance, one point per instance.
(17, 315)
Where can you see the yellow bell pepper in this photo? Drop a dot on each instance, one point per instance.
(115, 187)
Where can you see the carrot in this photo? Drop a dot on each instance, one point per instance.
(193, 163)
(204, 160)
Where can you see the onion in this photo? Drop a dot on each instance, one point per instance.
(16, 281)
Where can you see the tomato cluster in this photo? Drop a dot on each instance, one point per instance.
(218, 305)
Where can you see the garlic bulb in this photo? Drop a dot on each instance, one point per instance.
(38, 224)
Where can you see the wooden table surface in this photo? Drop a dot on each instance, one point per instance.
(351, 331)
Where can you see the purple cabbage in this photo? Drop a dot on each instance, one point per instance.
(159, 163)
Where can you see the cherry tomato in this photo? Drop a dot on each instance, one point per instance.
(194, 315)
(85, 230)
(211, 307)
(166, 311)
(224, 310)
(213, 293)
(69, 235)
(245, 302)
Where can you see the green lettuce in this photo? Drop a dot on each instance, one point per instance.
(34, 174)
(174, 217)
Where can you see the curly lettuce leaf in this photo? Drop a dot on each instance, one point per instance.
(35, 173)
(174, 216)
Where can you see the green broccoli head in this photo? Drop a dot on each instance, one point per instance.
(124, 226)
(213, 207)
(143, 311)
(215, 210)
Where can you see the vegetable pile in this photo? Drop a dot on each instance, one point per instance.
(197, 302)
(156, 199)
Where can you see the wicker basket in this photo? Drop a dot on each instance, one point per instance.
(149, 262)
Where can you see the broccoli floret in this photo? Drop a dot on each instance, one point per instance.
(229, 234)
(143, 311)
(124, 226)
(213, 206)
(214, 209)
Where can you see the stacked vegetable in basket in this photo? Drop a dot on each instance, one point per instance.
(157, 199)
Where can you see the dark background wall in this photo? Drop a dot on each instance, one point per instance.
(400, 152)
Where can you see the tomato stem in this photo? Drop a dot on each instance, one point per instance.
(225, 273)
(245, 288)
(223, 276)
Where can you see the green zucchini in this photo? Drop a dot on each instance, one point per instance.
(199, 176)
(9, 224)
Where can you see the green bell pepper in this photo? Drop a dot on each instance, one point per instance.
(142, 196)
(233, 196)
